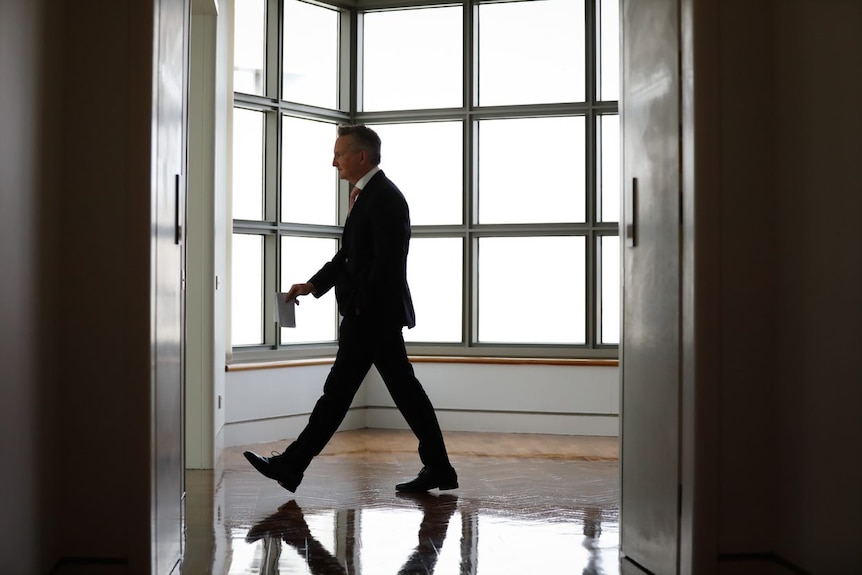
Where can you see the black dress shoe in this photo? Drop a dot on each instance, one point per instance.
(275, 468)
(430, 479)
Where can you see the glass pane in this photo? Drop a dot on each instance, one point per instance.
(247, 164)
(246, 290)
(412, 59)
(532, 170)
(531, 52)
(553, 313)
(609, 30)
(309, 184)
(310, 54)
(609, 291)
(435, 272)
(435, 198)
(609, 174)
(249, 46)
(316, 319)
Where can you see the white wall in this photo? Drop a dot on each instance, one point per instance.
(566, 400)
(75, 348)
(789, 426)
(200, 242)
(746, 279)
(223, 175)
(270, 404)
(20, 197)
(818, 332)
(207, 229)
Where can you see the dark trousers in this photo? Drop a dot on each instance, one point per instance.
(361, 343)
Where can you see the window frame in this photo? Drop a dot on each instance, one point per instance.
(351, 16)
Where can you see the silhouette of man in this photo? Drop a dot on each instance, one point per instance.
(369, 274)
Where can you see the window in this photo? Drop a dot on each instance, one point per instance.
(531, 52)
(504, 138)
(285, 195)
(425, 71)
(531, 170)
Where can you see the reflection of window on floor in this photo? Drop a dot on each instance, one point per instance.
(273, 555)
(564, 543)
(445, 539)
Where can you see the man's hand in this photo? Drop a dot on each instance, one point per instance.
(298, 290)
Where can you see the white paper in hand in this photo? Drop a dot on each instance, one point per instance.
(285, 310)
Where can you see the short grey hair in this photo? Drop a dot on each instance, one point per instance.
(364, 138)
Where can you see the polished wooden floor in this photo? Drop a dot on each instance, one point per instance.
(527, 504)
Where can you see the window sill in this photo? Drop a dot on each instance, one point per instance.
(285, 363)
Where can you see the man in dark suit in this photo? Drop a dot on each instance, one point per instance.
(369, 274)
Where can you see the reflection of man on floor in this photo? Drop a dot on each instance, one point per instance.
(289, 524)
(592, 532)
(436, 512)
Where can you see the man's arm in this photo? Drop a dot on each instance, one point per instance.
(322, 281)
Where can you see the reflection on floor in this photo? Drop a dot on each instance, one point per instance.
(553, 508)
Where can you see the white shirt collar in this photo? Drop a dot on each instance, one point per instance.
(364, 179)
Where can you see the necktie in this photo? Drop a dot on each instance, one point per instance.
(354, 193)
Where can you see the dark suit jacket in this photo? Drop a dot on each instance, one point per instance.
(369, 272)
